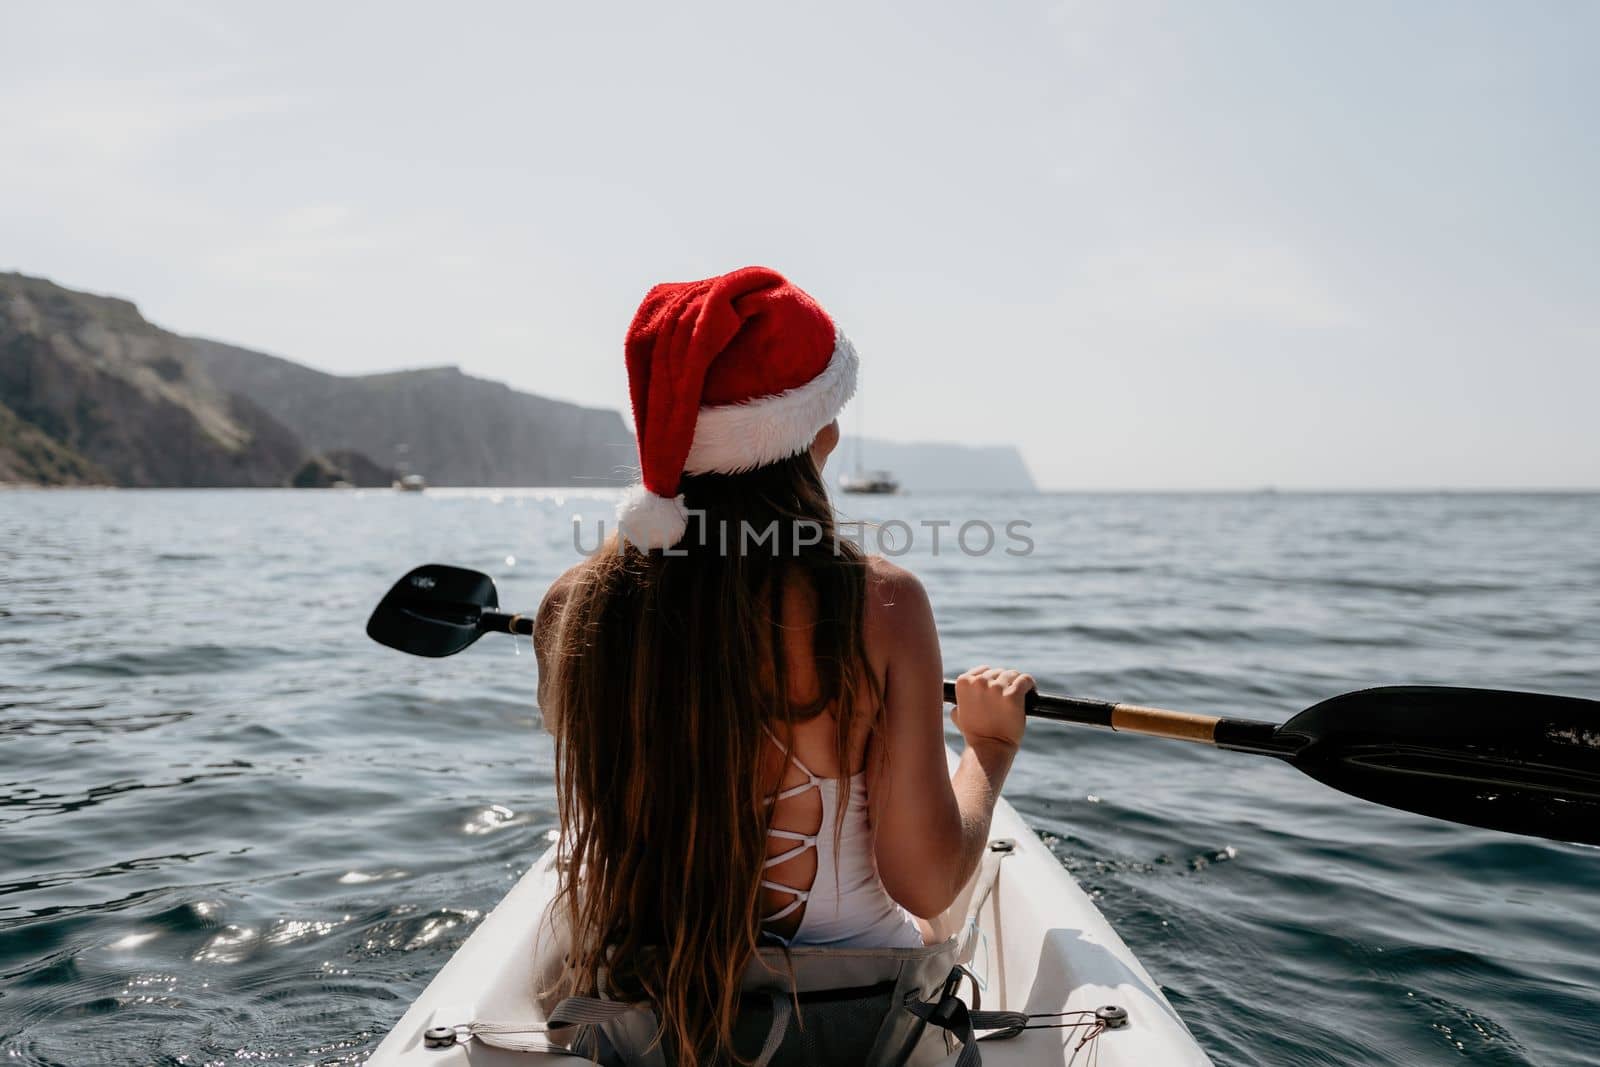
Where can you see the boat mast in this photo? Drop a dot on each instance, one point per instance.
(861, 406)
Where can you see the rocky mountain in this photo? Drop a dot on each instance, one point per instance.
(451, 428)
(95, 394)
(934, 466)
(91, 393)
(345, 468)
(28, 456)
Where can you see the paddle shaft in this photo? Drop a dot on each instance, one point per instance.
(500, 622)
(1239, 735)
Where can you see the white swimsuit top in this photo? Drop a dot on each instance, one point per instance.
(847, 903)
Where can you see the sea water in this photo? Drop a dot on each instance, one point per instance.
(233, 829)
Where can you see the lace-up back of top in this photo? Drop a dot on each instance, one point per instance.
(846, 903)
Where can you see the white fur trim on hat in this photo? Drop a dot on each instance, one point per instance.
(732, 438)
(648, 521)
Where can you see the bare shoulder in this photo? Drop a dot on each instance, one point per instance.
(896, 599)
(891, 584)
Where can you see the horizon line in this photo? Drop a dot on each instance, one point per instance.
(1556, 490)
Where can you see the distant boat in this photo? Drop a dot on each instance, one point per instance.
(875, 483)
(880, 483)
(404, 481)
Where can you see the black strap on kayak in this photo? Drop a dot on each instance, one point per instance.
(951, 1014)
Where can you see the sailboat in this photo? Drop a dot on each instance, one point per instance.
(403, 481)
(874, 482)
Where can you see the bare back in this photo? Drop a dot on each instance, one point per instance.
(812, 745)
(924, 838)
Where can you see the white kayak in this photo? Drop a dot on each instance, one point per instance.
(1042, 947)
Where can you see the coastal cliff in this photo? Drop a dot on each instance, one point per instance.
(91, 393)
(94, 394)
(937, 466)
(450, 427)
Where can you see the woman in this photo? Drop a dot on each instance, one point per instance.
(747, 708)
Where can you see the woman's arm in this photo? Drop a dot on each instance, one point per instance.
(930, 827)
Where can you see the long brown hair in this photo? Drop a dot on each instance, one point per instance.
(669, 668)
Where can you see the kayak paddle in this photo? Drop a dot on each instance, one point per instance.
(1526, 763)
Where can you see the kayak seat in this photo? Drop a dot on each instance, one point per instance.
(833, 1025)
(805, 1006)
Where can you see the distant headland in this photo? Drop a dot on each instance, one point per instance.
(93, 394)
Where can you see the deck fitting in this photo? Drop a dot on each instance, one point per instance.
(1114, 1016)
(439, 1037)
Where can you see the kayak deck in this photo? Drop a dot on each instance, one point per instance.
(1043, 947)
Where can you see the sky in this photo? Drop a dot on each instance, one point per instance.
(1179, 246)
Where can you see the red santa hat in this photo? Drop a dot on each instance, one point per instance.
(726, 374)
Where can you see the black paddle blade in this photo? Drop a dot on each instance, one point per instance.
(433, 611)
(1528, 763)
